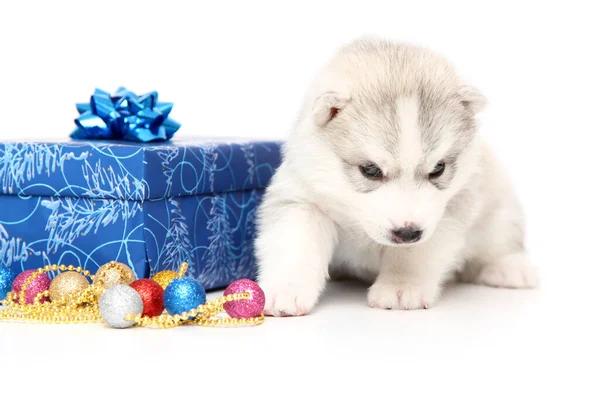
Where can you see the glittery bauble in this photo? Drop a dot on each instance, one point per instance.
(117, 302)
(152, 296)
(67, 283)
(251, 308)
(183, 295)
(7, 276)
(38, 285)
(163, 278)
(115, 273)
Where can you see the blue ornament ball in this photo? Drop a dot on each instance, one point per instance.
(7, 276)
(182, 295)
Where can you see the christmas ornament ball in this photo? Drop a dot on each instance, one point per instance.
(183, 295)
(163, 278)
(67, 283)
(114, 273)
(251, 308)
(152, 295)
(7, 276)
(40, 284)
(117, 302)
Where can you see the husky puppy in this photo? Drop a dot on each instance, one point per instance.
(384, 179)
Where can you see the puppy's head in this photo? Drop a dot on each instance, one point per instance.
(400, 128)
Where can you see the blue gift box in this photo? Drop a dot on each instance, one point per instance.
(150, 206)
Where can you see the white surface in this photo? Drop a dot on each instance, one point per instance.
(241, 69)
(476, 341)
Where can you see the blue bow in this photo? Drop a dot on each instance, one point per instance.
(125, 116)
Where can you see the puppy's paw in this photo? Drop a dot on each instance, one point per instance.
(290, 300)
(403, 296)
(512, 271)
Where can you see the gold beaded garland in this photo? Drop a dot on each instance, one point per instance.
(74, 307)
(81, 306)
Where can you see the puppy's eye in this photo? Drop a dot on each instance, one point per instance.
(371, 171)
(438, 170)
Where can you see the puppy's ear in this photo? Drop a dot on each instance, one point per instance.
(472, 99)
(327, 107)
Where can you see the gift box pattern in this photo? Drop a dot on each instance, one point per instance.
(150, 206)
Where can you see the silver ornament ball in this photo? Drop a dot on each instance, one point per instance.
(117, 302)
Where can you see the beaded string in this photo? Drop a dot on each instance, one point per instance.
(203, 315)
(183, 267)
(82, 307)
(75, 307)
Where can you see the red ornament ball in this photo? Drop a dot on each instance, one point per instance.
(152, 295)
(251, 308)
(40, 284)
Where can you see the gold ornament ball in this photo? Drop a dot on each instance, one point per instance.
(65, 284)
(114, 273)
(163, 278)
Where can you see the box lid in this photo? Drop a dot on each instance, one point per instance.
(136, 171)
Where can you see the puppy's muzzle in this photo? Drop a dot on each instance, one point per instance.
(408, 234)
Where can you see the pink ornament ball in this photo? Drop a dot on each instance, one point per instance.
(250, 308)
(38, 285)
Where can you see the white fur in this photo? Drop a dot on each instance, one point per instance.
(410, 142)
(320, 215)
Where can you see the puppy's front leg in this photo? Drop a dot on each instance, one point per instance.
(294, 248)
(412, 278)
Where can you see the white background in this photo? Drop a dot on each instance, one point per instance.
(240, 69)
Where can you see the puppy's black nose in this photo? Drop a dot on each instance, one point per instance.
(408, 234)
